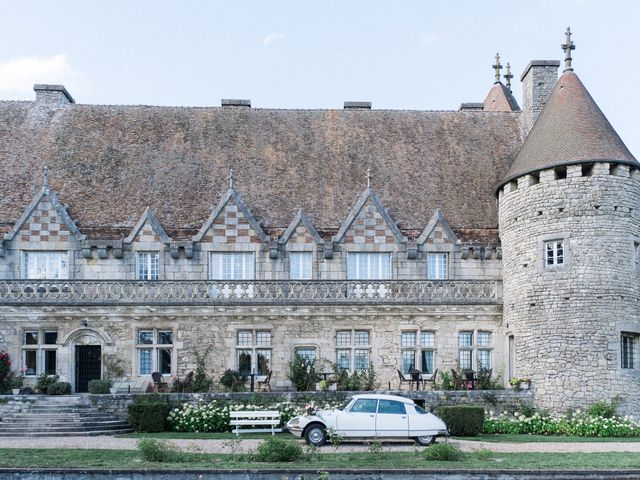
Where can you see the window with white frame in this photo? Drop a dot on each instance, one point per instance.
(436, 266)
(418, 350)
(45, 265)
(553, 253)
(231, 266)
(155, 351)
(353, 349)
(300, 265)
(147, 265)
(253, 351)
(308, 353)
(474, 350)
(40, 352)
(368, 266)
(628, 348)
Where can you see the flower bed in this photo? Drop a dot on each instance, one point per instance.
(576, 423)
(214, 416)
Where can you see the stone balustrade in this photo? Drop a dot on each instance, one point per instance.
(259, 292)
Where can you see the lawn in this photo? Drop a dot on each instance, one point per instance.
(525, 438)
(129, 459)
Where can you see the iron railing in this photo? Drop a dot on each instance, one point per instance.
(259, 292)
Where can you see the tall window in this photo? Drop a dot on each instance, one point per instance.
(418, 351)
(40, 352)
(628, 347)
(45, 265)
(155, 351)
(368, 266)
(300, 265)
(554, 253)
(148, 265)
(436, 266)
(475, 353)
(231, 266)
(353, 349)
(253, 350)
(308, 353)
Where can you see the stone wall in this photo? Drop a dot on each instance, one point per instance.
(567, 320)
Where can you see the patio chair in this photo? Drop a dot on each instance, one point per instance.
(403, 379)
(458, 381)
(429, 379)
(159, 385)
(266, 383)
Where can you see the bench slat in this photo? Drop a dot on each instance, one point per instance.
(258, 430)
(254, 422)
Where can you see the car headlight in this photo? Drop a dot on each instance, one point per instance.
(294, 422)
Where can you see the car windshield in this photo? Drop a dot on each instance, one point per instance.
(346, 404)
(420, 410)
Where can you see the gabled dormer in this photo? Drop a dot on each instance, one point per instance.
(148, 231)
(300, 231)
(437, 233)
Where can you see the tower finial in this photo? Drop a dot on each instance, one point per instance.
(45, 176)
(567, 46)
(497, 67)
(231, 178)
(508, 76)
(368, 177)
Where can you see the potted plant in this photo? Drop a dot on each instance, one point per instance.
(520, 383)
(18, 381)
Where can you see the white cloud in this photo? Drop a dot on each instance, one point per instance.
(18, 75)
(272, 37)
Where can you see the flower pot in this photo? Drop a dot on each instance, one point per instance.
(113, 390)
(333, 387)
(525, 385)
(15, 391)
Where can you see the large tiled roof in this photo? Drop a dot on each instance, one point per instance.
(107, 163)
(570, 129)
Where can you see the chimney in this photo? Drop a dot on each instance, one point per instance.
(538, 81)
(52, 95)
(357, 105)
(474, 106)
(235, 102)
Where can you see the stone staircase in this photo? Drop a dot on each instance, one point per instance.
(60, 419)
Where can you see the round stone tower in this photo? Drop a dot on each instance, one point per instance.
(569, 213)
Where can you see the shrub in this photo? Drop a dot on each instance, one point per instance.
(302, 373)
(6, 375)
(200, 381)
(443, 452)
(98, 387)
(604, 409)
(446, 381)
(275, 449)
(232, 380)
(153, 450)
(462, 420)
(44, 381)
(207, 417)
(59, 388)
(148, 413)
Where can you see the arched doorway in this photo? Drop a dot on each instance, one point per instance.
(86, 351)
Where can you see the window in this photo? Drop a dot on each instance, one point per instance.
(476, 354)
(155, 351)
(436, 266)
(636, 253)
(554, 253)
(368, 266)
(418, 346)
(391, 406)
(300, 265)
(40, 352)
(353, 349)
(45, 265)
(308, 353)
(365, 405)
(628, 347)
(148, 265)
(253, 351)
(231, 266)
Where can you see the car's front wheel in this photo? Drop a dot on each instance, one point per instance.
(424, 440)
(316, 434)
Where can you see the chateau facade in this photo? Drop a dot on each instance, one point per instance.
(491, 237)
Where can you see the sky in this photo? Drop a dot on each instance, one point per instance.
(417, 55)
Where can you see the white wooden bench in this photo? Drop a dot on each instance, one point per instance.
(265, 418)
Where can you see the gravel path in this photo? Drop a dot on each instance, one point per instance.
(247, 445)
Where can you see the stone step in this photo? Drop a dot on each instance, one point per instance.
(9, 422)
(66, 434)
(69, 416)
(66, 428)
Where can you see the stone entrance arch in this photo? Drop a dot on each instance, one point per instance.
(85, 346)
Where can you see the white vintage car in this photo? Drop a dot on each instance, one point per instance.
(381, 416)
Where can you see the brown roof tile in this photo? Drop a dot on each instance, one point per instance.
(500, 99)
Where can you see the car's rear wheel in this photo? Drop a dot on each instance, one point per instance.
(316, 434)
(424, 440)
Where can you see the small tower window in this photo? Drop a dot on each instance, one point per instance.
(628, 347)
(560, 173)
(554, 253)
(587, 169)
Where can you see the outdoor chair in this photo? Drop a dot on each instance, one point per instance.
(403, 379)
(159, 385)
(429, 379)
(458, 382)
(266, 383)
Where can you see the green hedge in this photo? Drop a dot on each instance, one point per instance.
(462, 420)
(98, 387)
(59, 388)
(148, 414)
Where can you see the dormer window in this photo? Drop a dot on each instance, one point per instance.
(436, 266)
(45, 266)
(148, 265)
(300, 265)
(368, 266)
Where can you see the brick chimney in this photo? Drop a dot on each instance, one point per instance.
(52, 95)
(538, 80)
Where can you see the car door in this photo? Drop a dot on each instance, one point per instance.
(392, 419)
(360, 420)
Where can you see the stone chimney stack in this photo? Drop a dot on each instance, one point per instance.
(538, 80)
(52, 95)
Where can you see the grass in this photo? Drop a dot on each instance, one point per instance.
(525, 438)
(129, 459)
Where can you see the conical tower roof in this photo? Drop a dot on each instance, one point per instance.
(500, 99)
(570, 129)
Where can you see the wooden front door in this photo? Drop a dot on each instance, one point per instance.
(88, 366)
